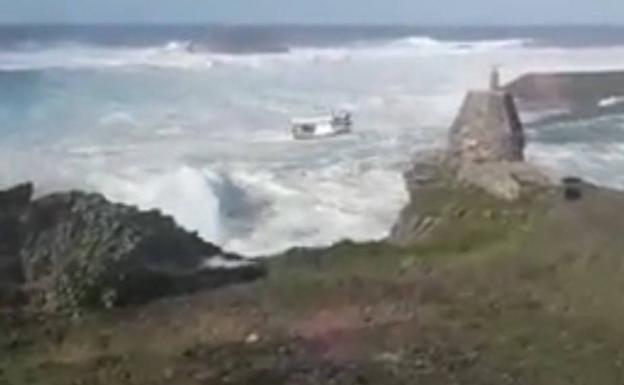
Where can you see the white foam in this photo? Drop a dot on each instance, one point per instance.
(320, 208)
(598, 163)
(177, 54)
(173, 55)
(532, 116)
(611, 101)
(427, 43)
(220, 262)
(284, 208)
(183, 192)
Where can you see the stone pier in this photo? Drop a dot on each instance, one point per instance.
(487, 129)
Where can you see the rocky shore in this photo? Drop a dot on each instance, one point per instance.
(493, 274)
(75, 251)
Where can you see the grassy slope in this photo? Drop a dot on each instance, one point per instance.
(524, 293)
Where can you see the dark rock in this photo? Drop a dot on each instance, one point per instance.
(16, 198)
(79, 251)
(13, 203)
(572, 188)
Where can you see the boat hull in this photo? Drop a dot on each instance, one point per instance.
(321, 127)
(299, 135)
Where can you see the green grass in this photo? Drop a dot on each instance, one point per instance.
(500, 293)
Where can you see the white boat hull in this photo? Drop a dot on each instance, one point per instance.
(321, 127)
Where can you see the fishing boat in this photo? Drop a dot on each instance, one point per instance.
(325, 126)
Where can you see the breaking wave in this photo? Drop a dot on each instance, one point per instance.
(191, 55)
(259, 212)
(461, 46)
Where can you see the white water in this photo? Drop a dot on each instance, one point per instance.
(611, 101)
(204, 136)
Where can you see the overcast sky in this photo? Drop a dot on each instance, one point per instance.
(317, 11)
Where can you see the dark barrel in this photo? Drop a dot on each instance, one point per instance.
(572, 188)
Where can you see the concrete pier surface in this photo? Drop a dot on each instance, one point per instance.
(573, 95)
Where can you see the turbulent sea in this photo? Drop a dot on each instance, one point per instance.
(195, 120)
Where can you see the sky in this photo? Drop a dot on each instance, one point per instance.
(315, 11)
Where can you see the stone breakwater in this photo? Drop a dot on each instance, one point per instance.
(564, 96)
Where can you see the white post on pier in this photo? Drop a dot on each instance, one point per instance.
(495, 79)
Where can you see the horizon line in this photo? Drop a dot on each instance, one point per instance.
(163, 23)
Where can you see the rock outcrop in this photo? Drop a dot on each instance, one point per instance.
(486, 146)
(483, 164)
(77, 250)
(13, 203)
(504, 180)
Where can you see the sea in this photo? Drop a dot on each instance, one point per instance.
(195, 120)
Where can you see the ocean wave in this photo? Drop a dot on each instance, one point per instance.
(595, 162)
(188, 55)
(458, 46)
(76, 56)
(258, 212)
